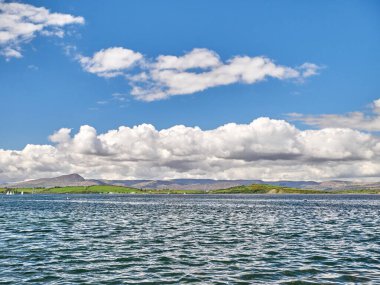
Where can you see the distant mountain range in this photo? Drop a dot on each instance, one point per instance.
(186, 184)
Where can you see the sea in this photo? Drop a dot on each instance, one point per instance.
(189, 239)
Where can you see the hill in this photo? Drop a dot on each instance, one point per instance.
(245, 189)
(60, 181)
(189, 184)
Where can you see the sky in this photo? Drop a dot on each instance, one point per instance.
(272, 90)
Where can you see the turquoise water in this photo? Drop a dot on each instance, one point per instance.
(179, 239)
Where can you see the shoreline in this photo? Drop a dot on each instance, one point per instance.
(254, 189)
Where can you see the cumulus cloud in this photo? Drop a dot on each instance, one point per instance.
(195, 71)
(263, 149)
(20, 23)
(110, 62)
(365, 121)
(197, 58)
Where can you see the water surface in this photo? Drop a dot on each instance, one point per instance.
(199, 239)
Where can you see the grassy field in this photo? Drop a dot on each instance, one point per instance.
(101, 189)
(272, 189)
(265, 189)
(249, 189)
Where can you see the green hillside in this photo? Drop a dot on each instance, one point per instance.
(77, 190)
(273, 189)
(249, 189)
(265, 189)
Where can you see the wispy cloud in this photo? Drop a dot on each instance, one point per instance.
(366, 121)
(32, 67)
(20, 23)
(120, 97)
(195, 71)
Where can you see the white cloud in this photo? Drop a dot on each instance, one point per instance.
(376, 106)
(163, 83)
(195, 71)
(61, 137)
(367, 121)
(110, 62)
(309, 69)
(20, 23)
(10, 52)
(197, 58)
(263, 149)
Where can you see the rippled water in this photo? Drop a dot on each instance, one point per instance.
(178, 239)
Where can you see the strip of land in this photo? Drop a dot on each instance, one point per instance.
(247, 189)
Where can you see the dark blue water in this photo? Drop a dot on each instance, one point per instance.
(199, 239)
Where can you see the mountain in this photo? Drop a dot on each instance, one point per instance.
(181, 184)
(188, 184)
(210, 184)
(60, 181)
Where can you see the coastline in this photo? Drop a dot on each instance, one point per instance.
(250, 189)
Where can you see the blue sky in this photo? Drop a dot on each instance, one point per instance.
(342, 36)
(50, 78)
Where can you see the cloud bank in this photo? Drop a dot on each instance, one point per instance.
(20, 23)
(195, 71)
(263, 149)
(369, 121)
